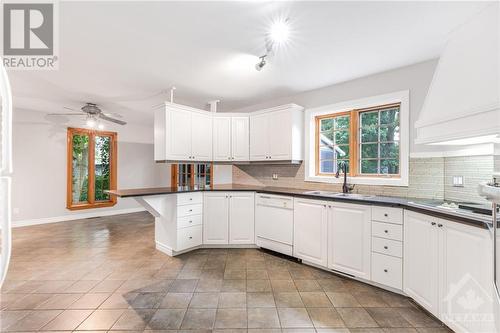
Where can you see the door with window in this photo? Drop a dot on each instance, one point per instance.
(91, 168)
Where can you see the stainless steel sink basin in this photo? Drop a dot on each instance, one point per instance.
(353, 195)
(339, 195)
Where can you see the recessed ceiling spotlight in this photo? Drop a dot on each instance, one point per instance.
(279, 31)
(261, 63)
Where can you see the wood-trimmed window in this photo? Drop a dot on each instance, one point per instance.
(91, 168)
(191, 174)
(367, 140)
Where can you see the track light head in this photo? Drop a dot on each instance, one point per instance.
(261, 63)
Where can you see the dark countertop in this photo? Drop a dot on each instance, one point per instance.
(414, 204)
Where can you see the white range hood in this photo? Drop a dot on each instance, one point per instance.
(463, 98)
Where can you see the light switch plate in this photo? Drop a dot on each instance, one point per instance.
(458, 181)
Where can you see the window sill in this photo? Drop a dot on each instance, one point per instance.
(94, 205)
(358, 180)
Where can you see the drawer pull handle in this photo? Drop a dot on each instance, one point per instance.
(191, 199)
(386, 231)
(190, 210)
(440, 225)
(386, 215)
(386, 247)
(385, 270)
(190, 237)
(190, 221)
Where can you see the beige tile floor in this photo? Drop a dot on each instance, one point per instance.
(104, 274)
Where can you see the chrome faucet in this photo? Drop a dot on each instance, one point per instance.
(345, 187)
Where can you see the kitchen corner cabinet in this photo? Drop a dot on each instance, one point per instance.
(182, 133)
(228, 218)
(276, 134)
(231, 138)
(310, 237)
(445, 263)
(349, 239)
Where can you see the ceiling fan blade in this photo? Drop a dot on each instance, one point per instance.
(66, 114)
(112, 114)
(113, 120)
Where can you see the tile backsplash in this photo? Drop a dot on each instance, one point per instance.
(430, 178)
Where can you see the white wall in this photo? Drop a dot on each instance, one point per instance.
(415, 78)
(39, 178)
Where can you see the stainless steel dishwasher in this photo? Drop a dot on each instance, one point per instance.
(274, 222)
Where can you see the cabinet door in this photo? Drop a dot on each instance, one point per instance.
(465, 274)
(310, 237)
(259, 137)
(241, 218)
(222, 138)
(179, 135)
(349, 239)
(201, 136)
(420, 260)
(240, 138)
(280, 135)
(215, 218)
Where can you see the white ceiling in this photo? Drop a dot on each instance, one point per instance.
(123, 54)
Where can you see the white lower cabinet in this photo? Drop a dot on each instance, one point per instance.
(228, 218)
(349, 239)
(310, 236)
(448, 271)
(420, 265)
(241, 218)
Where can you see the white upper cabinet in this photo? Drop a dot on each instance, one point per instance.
(349, 239)
(420, 265)
(240, 138)
(276, 134)
(310, 237)
(182, 133)
(201, 136)
(230, 138)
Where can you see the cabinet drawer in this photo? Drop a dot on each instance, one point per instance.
(387, 230)
(189, 221)
(387, 246)
(189, 237)
(387, 214)
(188, 210)
(387, 270)
(189, 198)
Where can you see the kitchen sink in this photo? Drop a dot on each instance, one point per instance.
(339, 195)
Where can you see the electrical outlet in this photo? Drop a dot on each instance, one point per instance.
(275, 176)
(458, 181)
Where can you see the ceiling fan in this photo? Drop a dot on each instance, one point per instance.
(93, 114)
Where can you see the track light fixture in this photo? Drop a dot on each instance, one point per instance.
(277, 36)
(261, 63)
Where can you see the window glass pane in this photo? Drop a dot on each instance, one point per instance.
(389, 133)
(326, 124)
(341, 137)
(369, 118)
(389, 150)
(369, 134)
(102, 167)
(342, 122)
(390, 167)
(369, 166)
(326, 166)
(80, 168)
(369, 150)
(345, 150)
(326, 153)
(326, 138)
(390, 116)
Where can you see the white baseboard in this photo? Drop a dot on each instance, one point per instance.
(64, 218)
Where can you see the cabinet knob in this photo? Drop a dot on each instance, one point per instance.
(190, 221)
(191, 199)
(440, 225)
(190, 210)
(386, 231)
(190, 237)
(433, 223)
(386, 247)
(386, 215)
(385, 270)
